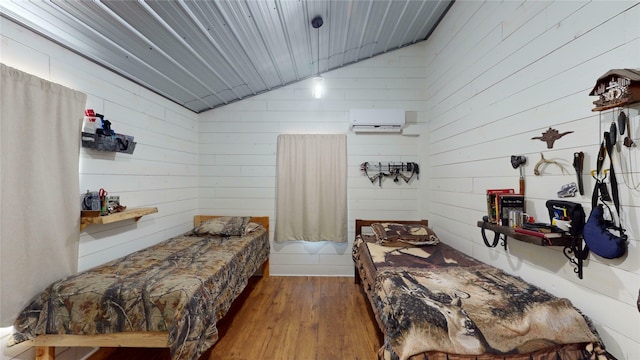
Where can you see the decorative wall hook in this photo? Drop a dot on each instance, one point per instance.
(550, 136)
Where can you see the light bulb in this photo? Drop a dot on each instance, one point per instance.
(318, 87)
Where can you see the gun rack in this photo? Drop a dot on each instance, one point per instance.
(395, 170)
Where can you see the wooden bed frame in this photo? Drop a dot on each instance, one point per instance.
(367, 223)
(45, 345)
(360, 223)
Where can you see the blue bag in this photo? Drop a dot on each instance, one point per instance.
(598, 237)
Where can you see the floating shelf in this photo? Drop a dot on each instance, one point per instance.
(573, 248)
(508, 231)
(108, 219)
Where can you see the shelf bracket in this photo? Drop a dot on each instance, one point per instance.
(576, 253)
(496, 237)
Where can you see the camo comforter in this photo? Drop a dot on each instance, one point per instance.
(432, 302)
(183, 286)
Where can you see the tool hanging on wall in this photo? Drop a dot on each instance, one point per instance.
(396, 170)
(578, 165)
(518, 162)
(623, 121)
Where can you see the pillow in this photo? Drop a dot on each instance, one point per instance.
(223, 226)
(392, 234)
(251, 227)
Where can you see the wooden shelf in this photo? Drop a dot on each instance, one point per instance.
(573, 247)
(508, 231)
(108, 219)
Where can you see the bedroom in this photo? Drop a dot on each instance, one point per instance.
(491, 76)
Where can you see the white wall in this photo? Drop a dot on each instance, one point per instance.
(491, 77)
(238, 151)
(161, 173)
(500, 73)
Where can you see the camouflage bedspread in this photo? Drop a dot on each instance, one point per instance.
(435, 300)
(183, 285)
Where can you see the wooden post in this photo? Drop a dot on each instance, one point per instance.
(265, 268)
(45, 353)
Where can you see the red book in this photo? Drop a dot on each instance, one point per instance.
(493, 208)
(530, 232)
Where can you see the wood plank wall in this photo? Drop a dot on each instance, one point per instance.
(492, 76)
(161, 173)
(238, 151)
(500, 73)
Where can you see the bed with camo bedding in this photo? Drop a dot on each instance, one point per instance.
(170, 294)
(433, 302)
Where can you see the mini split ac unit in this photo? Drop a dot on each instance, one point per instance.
(376, 120)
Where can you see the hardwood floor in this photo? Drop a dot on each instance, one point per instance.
(300, 318)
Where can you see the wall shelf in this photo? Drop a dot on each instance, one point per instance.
(124, 215)
(573, 248)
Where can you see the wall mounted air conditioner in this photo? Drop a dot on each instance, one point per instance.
(376, 120)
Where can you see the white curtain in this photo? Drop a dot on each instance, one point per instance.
(312, 188)
(40, 125)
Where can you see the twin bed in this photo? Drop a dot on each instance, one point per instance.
(429, 300)
(168, 295)
(434, 302)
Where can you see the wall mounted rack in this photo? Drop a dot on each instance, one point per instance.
(396, 170)
(573, 247)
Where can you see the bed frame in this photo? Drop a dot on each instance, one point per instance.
(45, 345)
(438, 355)
(360, 223)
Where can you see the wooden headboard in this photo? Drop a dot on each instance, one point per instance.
(262, 220)
(365, 223)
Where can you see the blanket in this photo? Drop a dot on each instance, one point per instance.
(183, 286)
(436, 299)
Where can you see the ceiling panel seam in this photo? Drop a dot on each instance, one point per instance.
(111, 66)
(236, 34)
(267, 47)
(216, 45)
(395, 27)
(159, 49)
(195, 53)
(377, 38)
(364, 30)
(285, 32)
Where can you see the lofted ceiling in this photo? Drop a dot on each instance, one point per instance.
(206, 54)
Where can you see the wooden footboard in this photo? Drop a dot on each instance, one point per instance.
(45, 344)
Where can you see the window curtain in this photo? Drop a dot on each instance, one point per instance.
(40, 123)
(311, 188)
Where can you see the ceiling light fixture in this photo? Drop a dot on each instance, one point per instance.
(318, 81)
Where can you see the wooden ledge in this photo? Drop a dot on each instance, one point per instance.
(124, 215)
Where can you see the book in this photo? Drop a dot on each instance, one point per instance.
(492, 203)
(540, 234)
(509, 202)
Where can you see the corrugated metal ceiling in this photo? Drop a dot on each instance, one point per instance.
(206, 54)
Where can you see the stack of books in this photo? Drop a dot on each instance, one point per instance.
(500, 202)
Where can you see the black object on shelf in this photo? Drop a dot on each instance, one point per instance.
(117, 143)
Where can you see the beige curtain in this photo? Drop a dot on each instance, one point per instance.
(312, 188)
(40, 124)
